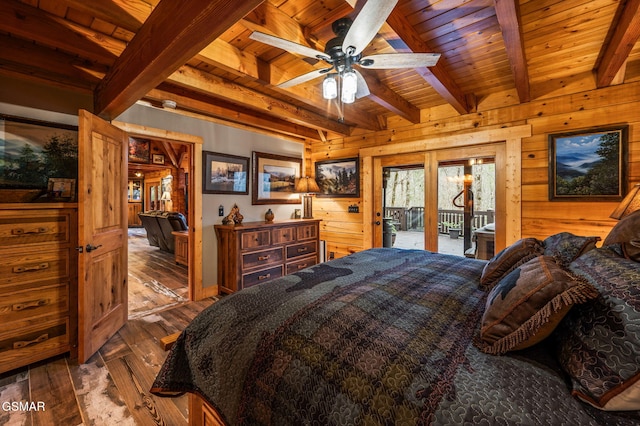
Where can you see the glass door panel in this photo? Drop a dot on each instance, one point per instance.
(466, 205)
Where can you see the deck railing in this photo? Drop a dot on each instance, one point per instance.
(412, 219)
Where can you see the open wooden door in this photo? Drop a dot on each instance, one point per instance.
(102, 232)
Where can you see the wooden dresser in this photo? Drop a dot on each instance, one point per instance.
(38, 283)
(256, 252)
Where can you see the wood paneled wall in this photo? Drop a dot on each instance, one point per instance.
(343, 231)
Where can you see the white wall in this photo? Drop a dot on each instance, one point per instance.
(227, 140)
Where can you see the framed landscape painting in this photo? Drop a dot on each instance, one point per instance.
(32, 152)
(588, 165)
(224, 173)
(274, 178)
(338, 178)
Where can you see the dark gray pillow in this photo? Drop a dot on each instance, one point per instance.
(627, 234)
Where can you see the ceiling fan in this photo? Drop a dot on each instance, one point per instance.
(345, 50)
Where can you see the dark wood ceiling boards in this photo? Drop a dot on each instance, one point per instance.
(198, 53)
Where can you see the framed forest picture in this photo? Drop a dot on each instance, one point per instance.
(588, 165)
(338, 178)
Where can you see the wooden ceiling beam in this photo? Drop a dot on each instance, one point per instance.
(268, 18)
(50, 65)
(221, 110)
(614, 54)
(31, 23)
(389, 99)
(128, 15)
(436, 76)
(508, 14)
(173, 34)
(217, 87)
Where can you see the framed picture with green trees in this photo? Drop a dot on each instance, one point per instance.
(33, 152)
(338, 178)
(588, 165)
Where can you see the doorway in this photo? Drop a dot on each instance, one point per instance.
(193, 201)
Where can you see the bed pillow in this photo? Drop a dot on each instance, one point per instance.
(627, 233)
(509, 259)
(599, 341)
(525, 306)
(565, 246)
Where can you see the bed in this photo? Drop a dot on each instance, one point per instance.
(390, 336)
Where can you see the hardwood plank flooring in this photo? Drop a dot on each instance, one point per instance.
(112, 387)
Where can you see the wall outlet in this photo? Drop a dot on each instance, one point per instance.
(332, 255)
(221, 210)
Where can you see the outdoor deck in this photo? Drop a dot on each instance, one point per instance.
(415, 240)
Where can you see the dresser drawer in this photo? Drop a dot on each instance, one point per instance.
(39, 342)
(303, 249)
(33, 229)
(283, 235)
(255, 239)
(262, 258)
(35, 302)
(36, 266)
(307, 232)
(265, 275)
(300, 264)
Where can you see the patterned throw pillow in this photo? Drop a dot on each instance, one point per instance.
(528, 303)
(565, 246)
(627, 233)
(599, 342)
(509, 259)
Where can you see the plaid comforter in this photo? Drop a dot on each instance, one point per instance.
(383, 336)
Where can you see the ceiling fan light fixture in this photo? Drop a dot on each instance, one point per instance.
(330, 87)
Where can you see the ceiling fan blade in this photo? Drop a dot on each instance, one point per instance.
(399, 60)
(366, 25)
(288, 45)
(363, 88)
(304, 78)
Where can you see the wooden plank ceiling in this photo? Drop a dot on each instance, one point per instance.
(198, 53)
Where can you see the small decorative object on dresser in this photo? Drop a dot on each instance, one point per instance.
(268, 216)
(256, 252)
(234, 217)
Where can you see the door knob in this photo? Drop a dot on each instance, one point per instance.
(91, 248)
(378, 222)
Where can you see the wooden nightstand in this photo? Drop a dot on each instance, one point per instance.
(181, 247)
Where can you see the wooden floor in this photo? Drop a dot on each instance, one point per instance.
(112, 387)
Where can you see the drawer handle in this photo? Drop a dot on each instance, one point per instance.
(264, 277)
(30, 304)
(304, 265)
(21, 231)
(24, 343)
(264, 257)
(302, 250)
(32, 268)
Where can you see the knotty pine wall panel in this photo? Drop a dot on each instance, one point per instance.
(343, 231)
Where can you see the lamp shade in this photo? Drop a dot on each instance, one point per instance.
(629, 204)
(306, 185)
